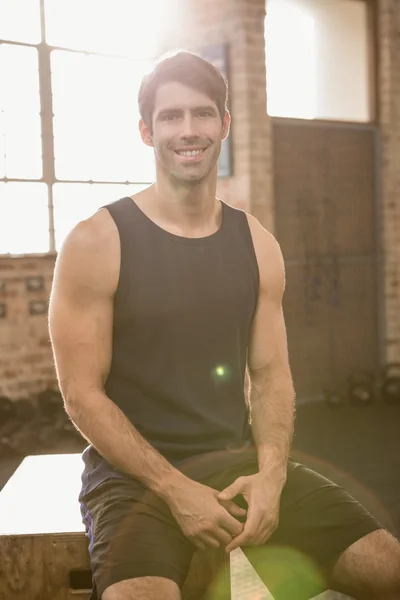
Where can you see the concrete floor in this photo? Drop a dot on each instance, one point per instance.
(358, 448)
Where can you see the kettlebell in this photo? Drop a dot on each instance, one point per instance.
(361, 388)
(334, 397)
(390, 386)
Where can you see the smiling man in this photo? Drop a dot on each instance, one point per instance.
(160, 303)
(185, 157)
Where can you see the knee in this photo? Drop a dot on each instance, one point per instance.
(393, 592)
(370, 569)
(389, 588)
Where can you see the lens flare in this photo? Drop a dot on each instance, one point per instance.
(221, 373)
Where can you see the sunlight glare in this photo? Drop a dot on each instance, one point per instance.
(291, 61)
(117, 27)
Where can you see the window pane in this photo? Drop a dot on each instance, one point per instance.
(318, 59)
(20, 21)
(22, 146)
(24, 218)
(74, 202)
(20, 79)
(118, 27)
(96, 134)
(20, 126)
(2, 145)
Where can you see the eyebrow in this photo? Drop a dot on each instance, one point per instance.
(176, 110)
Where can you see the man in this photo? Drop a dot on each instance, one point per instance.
(160, 303)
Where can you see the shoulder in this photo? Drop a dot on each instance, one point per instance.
(96, 235)
(267, 249)
(90, 254)
(269, 255)
(263, 240)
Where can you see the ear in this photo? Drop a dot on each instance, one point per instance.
(145, 133)
(226, 123)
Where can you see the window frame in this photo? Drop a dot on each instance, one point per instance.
(47, 131)
(373, 76)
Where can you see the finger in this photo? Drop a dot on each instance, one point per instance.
(231, 524)
(247, 536)
(237, 542)
(234, 509)
(210, 541)
(198, 544)
(256, 518)
(232, 490)
(224, 536)
(253, 534)
(243, 539)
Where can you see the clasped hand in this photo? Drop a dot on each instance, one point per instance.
(203, 519)
(262, 495)
(210, 518)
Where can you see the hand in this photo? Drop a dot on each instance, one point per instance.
(203, 519)
(262, 493)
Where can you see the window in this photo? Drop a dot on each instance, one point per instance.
(20, 130)
(20, 21)
(74, 202)
(24, 218)
(318, 59)
(69, 138)
(113, 27)
(96, 134)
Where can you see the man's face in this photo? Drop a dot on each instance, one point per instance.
(187, 132)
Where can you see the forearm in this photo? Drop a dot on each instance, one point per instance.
(107, 428)
(272, 415)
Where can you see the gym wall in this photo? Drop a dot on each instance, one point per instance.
(26, 364)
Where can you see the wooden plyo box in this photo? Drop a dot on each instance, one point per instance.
(43, 547)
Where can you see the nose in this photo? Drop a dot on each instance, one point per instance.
(188, 130)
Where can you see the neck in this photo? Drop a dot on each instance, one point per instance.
(191, 205)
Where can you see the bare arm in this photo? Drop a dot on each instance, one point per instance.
(81, 321)
(271, 389)
(271, 398)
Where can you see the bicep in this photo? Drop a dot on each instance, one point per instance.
(81, 339)
(268, 344)
(80, 318)
(268, 352)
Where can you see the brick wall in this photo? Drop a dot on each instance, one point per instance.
(389, 96)
(26, 365)
(25, 359)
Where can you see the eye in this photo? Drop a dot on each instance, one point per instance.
(170, 117)
(204, 114)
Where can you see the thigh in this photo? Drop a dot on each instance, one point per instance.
(132, 534)
(318, 521)
(320, 518)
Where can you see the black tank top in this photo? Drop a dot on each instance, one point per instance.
(182, 314)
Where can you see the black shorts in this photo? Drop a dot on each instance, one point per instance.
(133, 534)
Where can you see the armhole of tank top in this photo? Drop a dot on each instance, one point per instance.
(119, 292)
(250, 244)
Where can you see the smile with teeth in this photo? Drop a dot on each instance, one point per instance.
(189, 152)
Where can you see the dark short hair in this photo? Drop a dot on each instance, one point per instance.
(190, 70)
